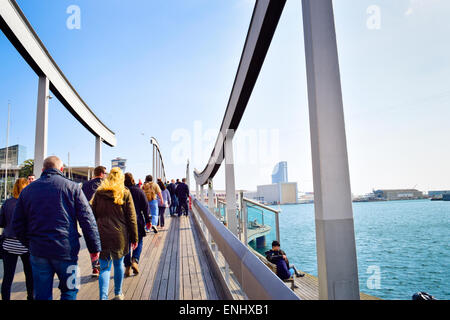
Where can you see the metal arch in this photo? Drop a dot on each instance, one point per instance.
(266, 15)
(155, 144)
(22, 36)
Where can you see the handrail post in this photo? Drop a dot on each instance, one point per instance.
(230, 184)
(40, 145)
(98, 151)
(202, 195)
(210, 195)
(335, 237)
(245, 222)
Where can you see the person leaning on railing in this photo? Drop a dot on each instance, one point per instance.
(279, 258)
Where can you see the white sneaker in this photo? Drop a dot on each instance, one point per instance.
(119, 297)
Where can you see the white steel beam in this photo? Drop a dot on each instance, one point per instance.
(335, 237)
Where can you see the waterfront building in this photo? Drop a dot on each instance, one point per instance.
(16, 156)
(279, 173)
(280, 191)
(119, 162)
(438, 194)
(399, 194)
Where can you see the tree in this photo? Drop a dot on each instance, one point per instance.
(27, 168)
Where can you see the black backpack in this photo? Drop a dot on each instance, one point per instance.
(422, 296)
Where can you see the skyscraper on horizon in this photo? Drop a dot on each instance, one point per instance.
(279, 173)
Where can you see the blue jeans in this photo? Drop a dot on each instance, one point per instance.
(154, 211)
(105, 272)
(173, 205)
(136, 253)
(43, 272)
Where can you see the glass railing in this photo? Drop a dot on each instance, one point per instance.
(258, 225)
(261, 225)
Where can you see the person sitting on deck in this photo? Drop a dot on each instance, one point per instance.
(279, 258)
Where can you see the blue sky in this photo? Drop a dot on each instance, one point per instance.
(165, 69)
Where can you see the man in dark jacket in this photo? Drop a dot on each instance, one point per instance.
(46, 219)
(142, 208)
(279, 258)
(89, 188)
(174, 203)
(182, 193)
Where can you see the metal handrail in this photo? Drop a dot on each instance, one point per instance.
(266, 15)
(155, 143)
(262, 205)
(23, 37)
(255, 278)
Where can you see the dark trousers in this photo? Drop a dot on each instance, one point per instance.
(162, 210)
(9, 269)
(173, 204)
(136, 253)
(182, 203)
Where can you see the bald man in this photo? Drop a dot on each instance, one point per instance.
(45, 220)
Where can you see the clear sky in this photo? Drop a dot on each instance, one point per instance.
(165, 69)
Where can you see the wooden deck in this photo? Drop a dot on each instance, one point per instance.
(172, 267)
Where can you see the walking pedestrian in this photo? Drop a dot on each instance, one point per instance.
(116, 219)
(182, 192)
(152, 191)
(89, 189)
(174, 200)
(45, 220)
(166, 203)
(12, 247)
(143, 219)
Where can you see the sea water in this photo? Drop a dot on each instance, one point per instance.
(402, 246)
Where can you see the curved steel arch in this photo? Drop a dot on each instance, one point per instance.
(266, 15)
(157, 159)
(22, 36)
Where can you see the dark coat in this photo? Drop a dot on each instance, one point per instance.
(116, 223)
(89, 187)
(6, 216)
(46, 215)
(182, 191)
(172, 187)
(142, 209)
(276, 257)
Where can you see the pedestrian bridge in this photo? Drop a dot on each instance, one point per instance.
(200, 257)
(176, 264)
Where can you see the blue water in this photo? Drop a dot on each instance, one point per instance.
(406, 241)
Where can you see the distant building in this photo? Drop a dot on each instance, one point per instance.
(399, 194)
(280, 191)
(279, 173)
(438, 193)
(79, 174)
(277, 193)
(119, 162)
(17, 154)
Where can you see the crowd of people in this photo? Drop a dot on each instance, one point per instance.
(114, 213)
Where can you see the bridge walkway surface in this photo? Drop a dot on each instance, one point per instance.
(173, 266)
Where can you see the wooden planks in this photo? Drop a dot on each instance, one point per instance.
(172, 266)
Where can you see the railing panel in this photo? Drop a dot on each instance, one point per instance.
(256, 280)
